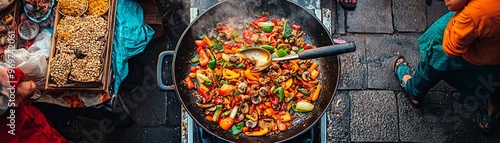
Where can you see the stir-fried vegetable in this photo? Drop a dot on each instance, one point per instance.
(241, 100)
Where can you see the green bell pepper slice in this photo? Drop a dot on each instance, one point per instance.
(294, 108)
(208, 84)
(281, 93)
(303, 91)
(218, 109)
(212, 64)
(195, 59)
(282, 53)
(267, 47)
(237, 129)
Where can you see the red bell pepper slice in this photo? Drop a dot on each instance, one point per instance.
(261, 19)
(204, 58)
(295, 81)
(286, 66)
(203, 94)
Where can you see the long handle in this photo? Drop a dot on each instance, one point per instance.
(328, 50)
(159, 67)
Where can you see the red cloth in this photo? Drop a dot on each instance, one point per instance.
(31, 126)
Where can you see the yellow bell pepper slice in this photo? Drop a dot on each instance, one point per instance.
(204, 88)
(314, 74)
(254, 117)
(286, 117)
(248, 75)
(288, 83)
(229, 74)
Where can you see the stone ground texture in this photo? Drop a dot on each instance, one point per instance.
(369, 105)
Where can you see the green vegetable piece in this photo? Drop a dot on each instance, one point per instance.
(235, 34)
(212, 64)
(304, 91)
(267, 47)
(226, 113)
(239, 65)
(282, 53)
(281, 93)
(218, 109)
(238, 128)
(299, 50)
(267, 29)
(294, 108)
(287, 31)
(208, 84)
(218, 47)
(195, 59)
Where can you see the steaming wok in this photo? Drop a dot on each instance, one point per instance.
(185, 50)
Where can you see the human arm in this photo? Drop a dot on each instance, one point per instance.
(22, 93)
(459, 34)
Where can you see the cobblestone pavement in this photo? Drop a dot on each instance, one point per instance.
(369, 105)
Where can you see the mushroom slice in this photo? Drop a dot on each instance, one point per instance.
(264, 91)
(242, 87)
(306, 76)
(203, 106)
(251, 124)
(244, 108)
(256, 99)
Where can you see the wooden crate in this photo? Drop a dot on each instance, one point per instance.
(103, 84)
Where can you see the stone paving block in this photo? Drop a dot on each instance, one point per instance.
(174, 109)
(125, 134)
(353, 74)
(409, 15)
(340, 26)
(441, 98)
(338, 118)
(436, 123)
(371, 16)
(159, 135)
(373, 116)
(382, 51)
(147, 108)
(435, 11)
(443, 86)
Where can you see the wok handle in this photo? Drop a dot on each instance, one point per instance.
(159, 68)
(328, 50)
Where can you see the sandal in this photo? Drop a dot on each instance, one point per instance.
(400, 70)
(485, 123)
(348, 5)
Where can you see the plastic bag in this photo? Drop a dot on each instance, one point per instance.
(33, 62)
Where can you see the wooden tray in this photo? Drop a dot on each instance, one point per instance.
(101, 85)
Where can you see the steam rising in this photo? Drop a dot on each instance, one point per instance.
(240, 10)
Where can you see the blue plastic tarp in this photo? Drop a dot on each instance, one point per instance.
(131, 37)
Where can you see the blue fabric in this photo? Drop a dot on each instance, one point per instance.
(431, 48)
(131, 37)
(402, 70)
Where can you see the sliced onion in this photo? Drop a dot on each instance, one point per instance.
(233, 112)
(265, 24)
(305, 106)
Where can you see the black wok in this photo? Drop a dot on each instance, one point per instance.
(319, 36)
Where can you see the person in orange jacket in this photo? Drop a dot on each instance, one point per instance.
(463, 49)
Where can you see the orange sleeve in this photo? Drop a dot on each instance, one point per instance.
(459, 34)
